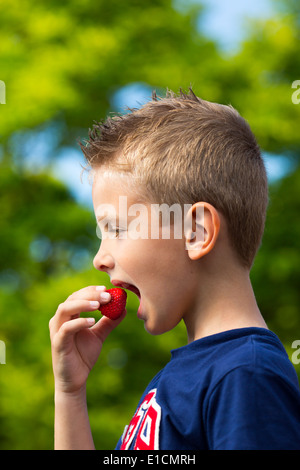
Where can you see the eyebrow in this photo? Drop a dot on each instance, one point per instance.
(108, 217)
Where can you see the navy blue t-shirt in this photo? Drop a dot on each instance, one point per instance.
(232, 390)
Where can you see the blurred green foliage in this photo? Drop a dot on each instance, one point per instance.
(62, 63)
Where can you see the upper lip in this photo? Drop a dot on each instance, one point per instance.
(126, 285)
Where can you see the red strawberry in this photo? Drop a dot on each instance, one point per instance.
(114, 308)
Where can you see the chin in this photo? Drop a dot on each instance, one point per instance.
(153, 331)
(156, 330)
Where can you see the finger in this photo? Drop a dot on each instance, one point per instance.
(69, 310)
(70, 328)
(89, 292)
(105, 326)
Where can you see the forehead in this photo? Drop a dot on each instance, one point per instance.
(109, 185)
(104, 175)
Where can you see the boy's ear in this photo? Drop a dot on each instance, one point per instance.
(203, 224)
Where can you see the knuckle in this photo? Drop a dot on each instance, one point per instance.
(56, 343)
(50, 323)
(62, 333)
(64, 328)
(61, 307)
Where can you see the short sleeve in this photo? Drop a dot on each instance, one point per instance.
(253, 410)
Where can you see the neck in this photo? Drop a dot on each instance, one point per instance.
(224, 304)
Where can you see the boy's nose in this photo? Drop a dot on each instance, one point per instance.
(103, 261)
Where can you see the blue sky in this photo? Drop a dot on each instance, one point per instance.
(224, 21)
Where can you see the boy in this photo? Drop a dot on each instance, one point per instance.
(232, 386)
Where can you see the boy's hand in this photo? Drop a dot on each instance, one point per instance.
(76, 342)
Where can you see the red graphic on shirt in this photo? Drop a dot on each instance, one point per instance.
(144, 426)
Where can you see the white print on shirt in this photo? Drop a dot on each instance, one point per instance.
(144, 426)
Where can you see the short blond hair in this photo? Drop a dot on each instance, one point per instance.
(183, 149)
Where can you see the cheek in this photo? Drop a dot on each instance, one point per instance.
(135, 258)
(173, 258)
(159, 264)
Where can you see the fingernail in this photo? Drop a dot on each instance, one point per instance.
(105, 296)
(100, 288)
(94, 303)
(90, 321)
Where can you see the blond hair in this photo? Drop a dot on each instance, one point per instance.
(183, 149)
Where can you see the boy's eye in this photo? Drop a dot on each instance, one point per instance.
(111, 231)
(114, 231)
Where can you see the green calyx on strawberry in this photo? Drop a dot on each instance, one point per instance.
(115, 307)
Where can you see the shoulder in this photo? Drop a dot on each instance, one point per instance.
(209, 360)
(253, 350)
(254, 397)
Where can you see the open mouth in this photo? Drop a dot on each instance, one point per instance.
(127, 286)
